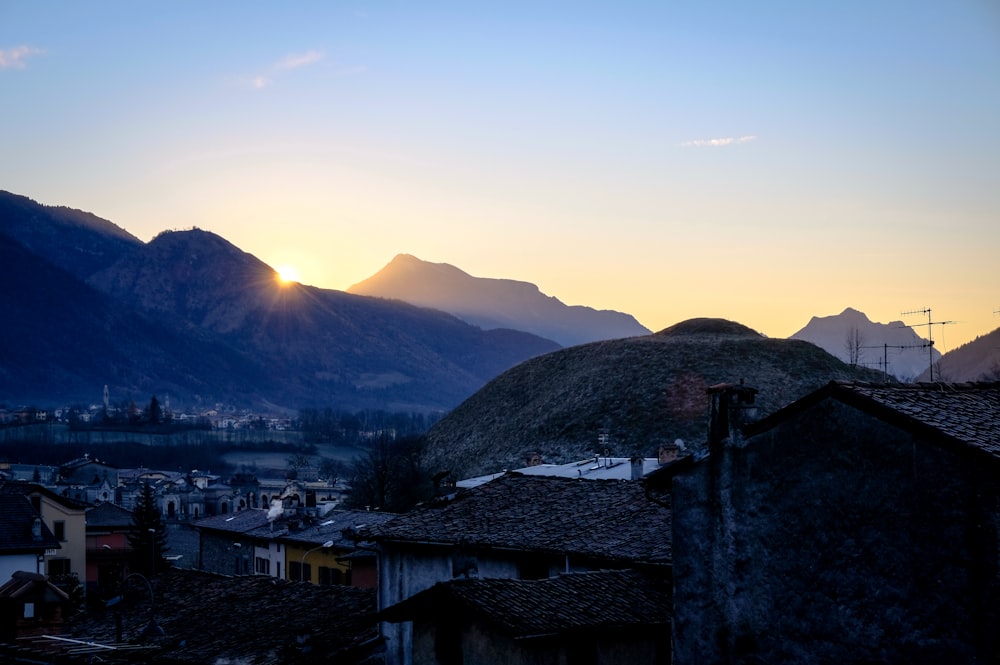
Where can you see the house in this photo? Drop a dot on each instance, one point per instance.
(326, 551)
(519, 527)
(860, 523)
(29, 605)
(291, 546)
(24, 537)
(600, 617)
(66, 520)
(108, 549)
(86, 471)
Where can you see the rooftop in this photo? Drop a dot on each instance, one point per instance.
(609, 519)
(288, 622)
(602, 600)
(966, 414)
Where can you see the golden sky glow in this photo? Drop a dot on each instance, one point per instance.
(763, 162)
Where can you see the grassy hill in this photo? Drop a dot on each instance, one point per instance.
(641, 391)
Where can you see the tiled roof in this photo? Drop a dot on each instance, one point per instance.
(332, 525)
(108, 515)
(238, 522)
(253, 523)
(24, 584)
(253, 620)
(967, 414)
(17, 518)
(613, 520)
(598, 601)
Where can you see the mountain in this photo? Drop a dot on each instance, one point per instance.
(978, 360)
(63, 340)
(641, 391)
(891, 347)
(192, 316)
(78, 242)
(495, 303)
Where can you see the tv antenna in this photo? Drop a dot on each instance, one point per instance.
(885, 354)
(930, 333)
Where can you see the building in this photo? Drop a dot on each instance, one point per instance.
(519, 527)
(108, 549)
(860, 523)
(24, 537)
(603, 617)
(209, 618)
(292, 546)
(66, 520)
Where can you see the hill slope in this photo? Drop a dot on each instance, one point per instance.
(78, 242)
(495, 303)
(979, 360)
(62, 341)
(644, 391)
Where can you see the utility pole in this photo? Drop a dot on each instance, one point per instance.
(930, 334)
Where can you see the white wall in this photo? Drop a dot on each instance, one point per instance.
(12, 563)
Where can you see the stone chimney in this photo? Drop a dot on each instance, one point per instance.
(731, 407)
(532, 459)
(668, 452)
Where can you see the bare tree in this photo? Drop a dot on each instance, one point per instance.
(854, 343)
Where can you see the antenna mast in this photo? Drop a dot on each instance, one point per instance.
(885, 354)
(930, 334)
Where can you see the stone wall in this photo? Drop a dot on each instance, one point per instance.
(835, 537)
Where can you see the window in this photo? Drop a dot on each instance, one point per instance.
(262, 566)
(328, 576)
(58, 567)
(296, 571)
(59, 531)
(533, 569)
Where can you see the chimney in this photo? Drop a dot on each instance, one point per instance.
(731, 407)
(636, 467)
(533, 459)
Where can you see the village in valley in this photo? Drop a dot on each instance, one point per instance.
(856, 524)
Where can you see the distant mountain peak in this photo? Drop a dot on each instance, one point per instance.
(491, 303)
(892, 347)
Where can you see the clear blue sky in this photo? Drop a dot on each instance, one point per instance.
(759, 161)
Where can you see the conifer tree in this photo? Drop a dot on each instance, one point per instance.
(148, 535)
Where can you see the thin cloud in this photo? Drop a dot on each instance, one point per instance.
(14, 58)
(288, 63)
(717, 143)
(298, 60)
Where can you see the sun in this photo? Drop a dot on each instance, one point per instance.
(287, 274)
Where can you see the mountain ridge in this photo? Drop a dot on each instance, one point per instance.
(491, 303)
(191, 314)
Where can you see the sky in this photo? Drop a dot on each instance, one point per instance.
(763, 162)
